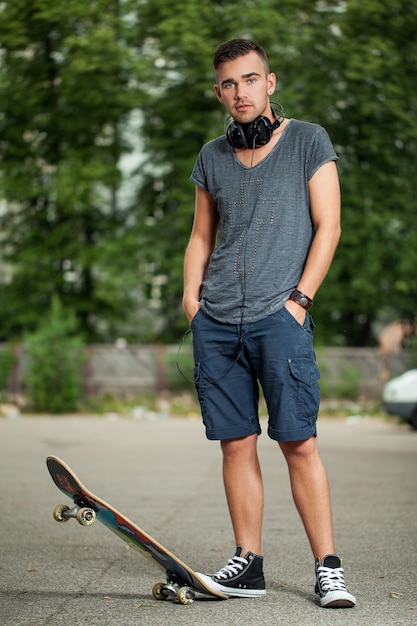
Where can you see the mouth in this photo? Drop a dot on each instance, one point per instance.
(241, 108)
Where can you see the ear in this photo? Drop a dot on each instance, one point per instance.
(218, 93)
(271, 82)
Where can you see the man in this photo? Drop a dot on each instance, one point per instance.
(266, 226)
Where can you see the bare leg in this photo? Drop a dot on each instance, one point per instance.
(244, 491)
(310, 489)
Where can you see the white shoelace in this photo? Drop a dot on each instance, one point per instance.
(331, 579)
(234, 567)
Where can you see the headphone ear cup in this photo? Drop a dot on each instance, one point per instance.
(236, 136)
(252, 135)
(260, 131)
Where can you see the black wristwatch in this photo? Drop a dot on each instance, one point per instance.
(301, 299)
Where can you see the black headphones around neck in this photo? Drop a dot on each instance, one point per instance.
(254, 134)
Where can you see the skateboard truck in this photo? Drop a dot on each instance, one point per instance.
(83, 514)
(173, 588)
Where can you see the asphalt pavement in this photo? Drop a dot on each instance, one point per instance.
(163, 474)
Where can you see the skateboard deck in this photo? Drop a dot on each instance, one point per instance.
(181, 581)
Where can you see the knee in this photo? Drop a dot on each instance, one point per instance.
(239, 448)
(299, 451)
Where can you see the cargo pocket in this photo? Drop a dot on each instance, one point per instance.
(306, 375)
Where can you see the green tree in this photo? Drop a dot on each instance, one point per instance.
(347, 65)
(354, 72)
(181, 113)
(73, 73)
(55, 355)
(68, 87)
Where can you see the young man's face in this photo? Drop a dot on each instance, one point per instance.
(244, 87)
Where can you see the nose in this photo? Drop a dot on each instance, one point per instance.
(240, 91)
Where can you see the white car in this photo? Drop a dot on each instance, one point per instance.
(399, 397)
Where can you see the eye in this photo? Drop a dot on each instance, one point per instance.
(251, 81)
(228, 85)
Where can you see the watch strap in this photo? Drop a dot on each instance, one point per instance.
(300, 298)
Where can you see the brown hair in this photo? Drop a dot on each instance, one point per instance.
(238, 48)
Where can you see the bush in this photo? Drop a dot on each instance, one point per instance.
(6, 366)
(55, 357)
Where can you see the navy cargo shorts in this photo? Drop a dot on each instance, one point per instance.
(230, 359)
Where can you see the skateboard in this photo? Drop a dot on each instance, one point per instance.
(182, 582)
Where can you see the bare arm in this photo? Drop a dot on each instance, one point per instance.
(199, 249)
(324, 192)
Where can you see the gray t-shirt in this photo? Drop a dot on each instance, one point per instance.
(265, 228)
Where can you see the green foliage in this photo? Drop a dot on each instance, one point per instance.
(67, 86)
(6, 365)
(349, 66)
(361, 57)
(181, 113)
(55, 355)
(74, 77)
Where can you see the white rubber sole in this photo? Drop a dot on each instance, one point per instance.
(337, 599)
(238, 593)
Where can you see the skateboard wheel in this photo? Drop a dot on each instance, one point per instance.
(86, 516)
(185, 595)
(158, 591)
(58, 513)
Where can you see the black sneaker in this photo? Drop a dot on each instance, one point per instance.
(330, 585)
(242, 576)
